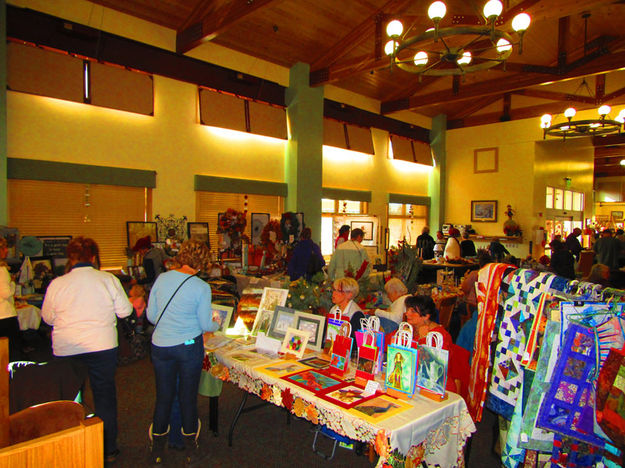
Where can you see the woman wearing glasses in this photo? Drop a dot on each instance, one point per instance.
(344, 290)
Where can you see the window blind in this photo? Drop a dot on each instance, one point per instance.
(210, 204)
(44, 208)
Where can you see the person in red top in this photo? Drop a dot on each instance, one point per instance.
(343, 235)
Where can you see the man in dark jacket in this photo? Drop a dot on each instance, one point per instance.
(425, 244)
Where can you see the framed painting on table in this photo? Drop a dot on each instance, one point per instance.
(313, 324)
(314, 380)
(198, 231)
(294, 342)
(283, 318)
(225, 315)
(135, 230)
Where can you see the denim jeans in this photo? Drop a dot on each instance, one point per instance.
(181, 364)
(101, 367)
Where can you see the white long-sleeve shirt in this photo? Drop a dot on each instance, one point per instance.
(82, 306)
(7, 290)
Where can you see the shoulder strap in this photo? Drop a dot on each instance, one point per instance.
(172, 296)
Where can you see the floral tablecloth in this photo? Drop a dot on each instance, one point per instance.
(434, 432)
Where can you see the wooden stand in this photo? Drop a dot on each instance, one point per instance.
(396, 394)
(360, 381)
(432, 395)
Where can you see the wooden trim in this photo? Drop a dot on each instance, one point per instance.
(34, 169)
(344, 194)
(4, 392)
(476, 155)
(205, 183)
(409, 199)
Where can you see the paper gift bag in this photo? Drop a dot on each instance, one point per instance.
(341, 353)
(401, 365)
(367, 357)
(372, 324)
(432, 365)
(333, 327)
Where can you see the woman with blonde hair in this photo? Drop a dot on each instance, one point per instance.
(83, 306)
(180, 309)
(397, 292)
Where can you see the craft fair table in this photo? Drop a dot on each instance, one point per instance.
(430, 268)
(28, 316)
(419, 429)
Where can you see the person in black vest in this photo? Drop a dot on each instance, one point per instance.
(467, 247)
(425, 244)
(306, 259)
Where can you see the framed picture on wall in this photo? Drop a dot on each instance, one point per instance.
(616, 215)
(484, 211)
(135, 230)
(198, 231)
(366, 226)
(259, 221)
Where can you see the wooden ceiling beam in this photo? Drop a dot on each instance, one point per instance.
(600, 87)
(474, 107)
(605, 63)
(609, 151)
(356, 36)
(563, 33)
(610, 140)
(613, 95)
(346, 69)
(555, 96)
(212, 21)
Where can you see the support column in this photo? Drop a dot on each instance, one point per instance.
(436, 183)
(304, 158)
(4, 218)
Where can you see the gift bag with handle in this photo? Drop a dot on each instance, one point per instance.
(401, 364)
(333, 327)
(341, 350)
(432, 365)
(372, 324)
(367, 357)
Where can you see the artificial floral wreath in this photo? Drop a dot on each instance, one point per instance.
(265, 237)
(232, 222)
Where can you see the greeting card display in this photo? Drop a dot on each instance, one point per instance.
(367, 358)
(294, 342)
(432, 365)
(341, 350)
(372, 324)
(401, 366)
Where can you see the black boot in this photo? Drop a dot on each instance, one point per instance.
(192, 449)
(157, 446)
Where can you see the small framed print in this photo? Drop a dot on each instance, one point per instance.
(313, 380)
(484, 211)
(367, 228)
(617, 215)
(313, 324)
(294, 342)
(225, 315)
(280, 368)
(198, 231)
(315, 362)
(347, 396)
(273, 297)
(262, 322)
(283, 319)
(135, 230)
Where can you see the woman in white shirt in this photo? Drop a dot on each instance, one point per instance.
(9, 326)
(82, 306)
(397, 293)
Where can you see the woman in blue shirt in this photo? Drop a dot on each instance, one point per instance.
(180, 308)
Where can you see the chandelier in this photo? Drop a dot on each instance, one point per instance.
(602, 125)
(454, 50)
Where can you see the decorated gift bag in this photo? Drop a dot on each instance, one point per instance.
(372, 324)
(401, 364)
(611, 397)
(333, 327)
(341, 350)
(368, 354)
(432, 364)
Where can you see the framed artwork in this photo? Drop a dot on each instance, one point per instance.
(283, 319)
(262, 322)
(347, 396)
(42, 267)
(198, 231)
(401, 365)
(432, 369)
(484, 211)
(259, 221)
(12, 235)
(314, 380)
(137, 229)
(366, 226)
(249, 357)
(294, 342)
(225, 315)
(273, 297)
(379, 408)
(616, 215)
(485, 160)
(280, 368)
(54, 246)
(313, 324)
(315, 362)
